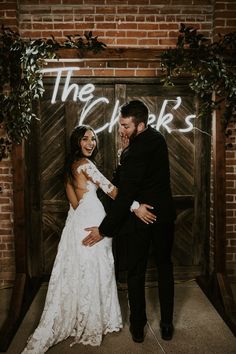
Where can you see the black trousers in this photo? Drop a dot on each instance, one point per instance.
(161, 235)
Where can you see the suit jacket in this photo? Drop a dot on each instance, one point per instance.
(143, 175)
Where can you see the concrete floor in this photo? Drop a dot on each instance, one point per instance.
(198, 327)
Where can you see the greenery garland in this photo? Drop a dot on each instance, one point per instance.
(21, 79)
(211, 67)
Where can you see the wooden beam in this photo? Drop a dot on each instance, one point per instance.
(218, 154)
(202, 168)
(19, 207)
(217, 285)
(227, 294)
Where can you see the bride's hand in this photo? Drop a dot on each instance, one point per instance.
(144, 214)
(124, 141)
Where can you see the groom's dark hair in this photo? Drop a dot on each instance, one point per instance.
(135, 109)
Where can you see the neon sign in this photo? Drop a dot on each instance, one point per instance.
(85, 94)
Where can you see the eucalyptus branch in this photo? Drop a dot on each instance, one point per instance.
(210, 68)
(21, 81)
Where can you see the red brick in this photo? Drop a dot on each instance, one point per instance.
(5, 232)
(146, 73)
(105, 10)
(130, 18)
(4, 170)
(151, 18)
(43, 26)
(149, 26)
(128, 72)
(106, 25)
(63, 26)
(230, 213)
(7, 238)
(127, 26)
(7, 5)
(231, 23)
(84, 26)
(6, 208)
(169, 26)
(150, 10)
(48, 34)
(4, 200)
(219, 6)
(101, 18)
(126, 42)
(167, 42)
(138, 2)
(7, 276)
(103, 72)
(10, 13)
(12, 23)
(226, 14)
(127, 9)
(147, 42)
(75, 2)
(10, 246)
(230, 5)
(157, 34)
(5, 216)
(8, 254)
(159, 2)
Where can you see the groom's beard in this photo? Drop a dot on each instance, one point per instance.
(133, 135)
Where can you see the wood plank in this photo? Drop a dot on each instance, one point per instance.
(227, 294)
(219, 173)
(34, 207)
(19, 207)
(217, 285)
(202, 172)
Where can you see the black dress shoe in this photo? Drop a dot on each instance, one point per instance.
(167, 331)
(137, 334)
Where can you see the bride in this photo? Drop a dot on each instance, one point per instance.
(82, 299)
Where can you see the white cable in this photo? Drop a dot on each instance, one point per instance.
(151, 330)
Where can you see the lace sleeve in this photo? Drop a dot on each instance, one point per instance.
(91, 171)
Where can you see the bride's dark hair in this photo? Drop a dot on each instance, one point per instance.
(75, 152)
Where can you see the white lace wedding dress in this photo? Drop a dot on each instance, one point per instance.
(82, 299)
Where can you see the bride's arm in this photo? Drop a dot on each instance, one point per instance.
(93, 174)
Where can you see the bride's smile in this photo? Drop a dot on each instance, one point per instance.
(88, 143)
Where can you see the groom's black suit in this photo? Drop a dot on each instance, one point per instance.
(143, 175)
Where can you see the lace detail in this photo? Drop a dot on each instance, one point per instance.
(82, 299)
(96, 176)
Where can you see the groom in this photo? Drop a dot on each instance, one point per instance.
(143, 175)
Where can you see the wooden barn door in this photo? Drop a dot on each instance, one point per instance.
(187, 250)
(47, 150)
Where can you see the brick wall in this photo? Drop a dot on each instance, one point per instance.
(9, 17)
(9, 13)
(224, 20)
(141, 24)
(7, 264)
(148, 23)
(231, 209)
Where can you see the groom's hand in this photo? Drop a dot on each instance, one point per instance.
(93, 237)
